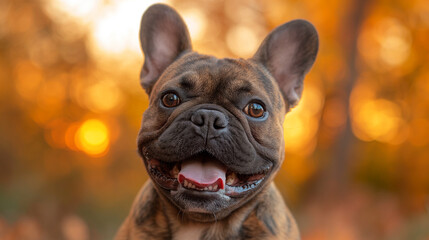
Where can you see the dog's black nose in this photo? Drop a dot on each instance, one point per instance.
(212, 119)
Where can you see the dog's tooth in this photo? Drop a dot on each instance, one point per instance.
(193, 186)
(175, 171)
(210, 188)
(185, 183)
(230, 179)
(206, 188)
(215, 187)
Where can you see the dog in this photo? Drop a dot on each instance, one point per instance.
(212, 138)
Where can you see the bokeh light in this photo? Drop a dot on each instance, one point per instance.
(79, 10)
(301, 124)
(100, 96)
(27, 70)
(386, 44)
(109, 25)
(74, 228)
(196, 22)
(93, 138)
(242, 40)
(376, 118)
(395, 42)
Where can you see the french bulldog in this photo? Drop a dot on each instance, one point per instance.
(212, 137)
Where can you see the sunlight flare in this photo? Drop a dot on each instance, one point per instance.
(93, 138)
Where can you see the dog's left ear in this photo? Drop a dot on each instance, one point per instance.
(163, 37)
(288, 53)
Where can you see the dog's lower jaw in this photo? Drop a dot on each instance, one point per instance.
(153, 216)
(195, 213)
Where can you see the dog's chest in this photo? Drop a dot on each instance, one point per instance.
(189, 232)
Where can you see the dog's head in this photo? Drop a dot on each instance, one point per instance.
(212, 137)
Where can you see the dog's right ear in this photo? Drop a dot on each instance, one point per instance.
(163, 37)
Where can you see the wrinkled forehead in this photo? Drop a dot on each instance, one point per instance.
(220, 78)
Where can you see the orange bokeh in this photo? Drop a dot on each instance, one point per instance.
(93, 138)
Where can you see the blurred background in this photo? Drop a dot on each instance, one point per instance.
(357, 146)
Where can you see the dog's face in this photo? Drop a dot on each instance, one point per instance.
(212, 137)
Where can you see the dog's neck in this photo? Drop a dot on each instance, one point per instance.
(189, 229)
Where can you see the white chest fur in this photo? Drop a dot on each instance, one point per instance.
(189, 232)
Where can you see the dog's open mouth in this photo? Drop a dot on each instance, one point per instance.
(203, 173)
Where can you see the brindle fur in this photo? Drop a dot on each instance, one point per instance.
(275, 75)
(266, 217)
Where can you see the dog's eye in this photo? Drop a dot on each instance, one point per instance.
(170, 100)
(254, 110)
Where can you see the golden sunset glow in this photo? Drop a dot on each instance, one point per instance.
(196, 22)
(108, 24)
(102, 96)
(23, 71)
(242, 40)
(395, 42)
(301, 124)
(92, 137)
(387, 44)
(377, 119)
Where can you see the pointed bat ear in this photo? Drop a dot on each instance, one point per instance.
(163, 37)
(288, 53)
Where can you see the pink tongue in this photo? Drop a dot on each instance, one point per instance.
(203, 173)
